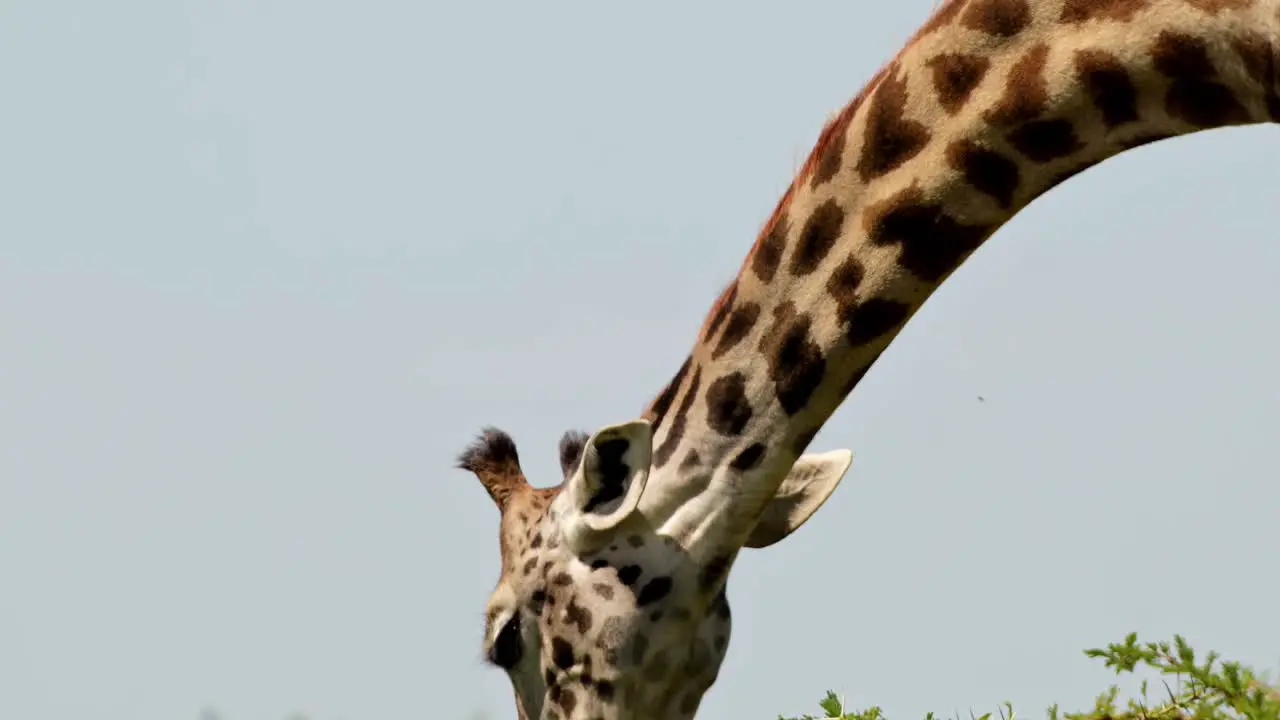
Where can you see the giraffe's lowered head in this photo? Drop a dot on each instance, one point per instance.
(599, 611)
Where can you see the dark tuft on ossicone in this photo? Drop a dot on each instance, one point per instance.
(493, 450)
(571, 446)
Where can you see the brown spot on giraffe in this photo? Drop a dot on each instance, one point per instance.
(999, 18)
(842, 286)
(1045, 140)
(844, 281)
(629, 574)
(1263, 66)
(767, 255)
(986, 170)
(818, 236)
(691, 460)
(741, 320)
(662, 454)
(722, 307)
(795, 360)
(657, 411)
(714, 573)
(678, 423)
(932, 242)
(1182, 57)
(578, 616)
(656, 669)
(1022, 106)
(565, 699)
(1256, 54)
(748, 458)
(1194, 96)
(863, 320)
(872, 318)
(890, 138)
(1025, 94)
(832, 156)
(1109, 86)
(1079, 11)
(955, 75)
(653, 591)
(561, 653)
(728, 410)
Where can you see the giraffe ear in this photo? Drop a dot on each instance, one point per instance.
(811, 481)
(605, 487)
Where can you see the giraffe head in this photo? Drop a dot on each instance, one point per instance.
(601, 611)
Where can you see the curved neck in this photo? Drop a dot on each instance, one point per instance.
(990, 105)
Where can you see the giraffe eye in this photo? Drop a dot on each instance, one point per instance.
(506, 649)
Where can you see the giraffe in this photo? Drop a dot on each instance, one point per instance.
(612, 598)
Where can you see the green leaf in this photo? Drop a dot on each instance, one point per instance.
(1211, 690)
(832, 705)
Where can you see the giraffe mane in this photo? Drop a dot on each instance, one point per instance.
(830, 136)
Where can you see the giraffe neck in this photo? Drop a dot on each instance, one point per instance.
(990, 105)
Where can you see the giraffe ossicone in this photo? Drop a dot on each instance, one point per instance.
(611, 603)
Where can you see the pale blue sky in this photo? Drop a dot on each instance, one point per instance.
(267, 266)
